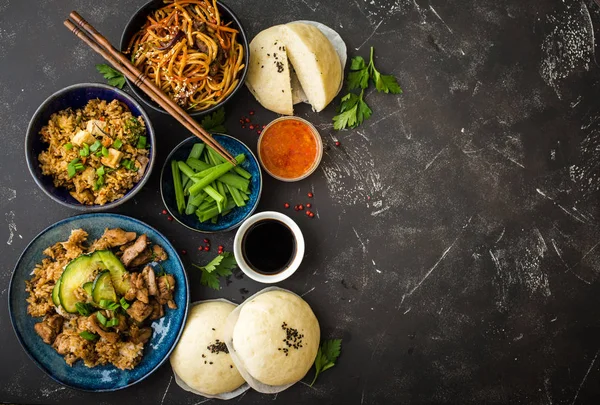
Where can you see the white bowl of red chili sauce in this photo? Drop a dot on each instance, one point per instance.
(290, 149)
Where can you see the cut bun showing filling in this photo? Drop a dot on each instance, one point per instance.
(301, 61)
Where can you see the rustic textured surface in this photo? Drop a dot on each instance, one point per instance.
(456, 249)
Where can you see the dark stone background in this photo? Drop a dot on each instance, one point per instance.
(456, 249)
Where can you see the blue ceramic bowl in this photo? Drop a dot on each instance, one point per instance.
(77, 96)
(238, 214)
(167, 330)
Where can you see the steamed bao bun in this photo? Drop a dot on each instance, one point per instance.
(201, 358)
(276, 338)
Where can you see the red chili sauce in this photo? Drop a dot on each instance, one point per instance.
(288, 149)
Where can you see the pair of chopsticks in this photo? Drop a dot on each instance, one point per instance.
(98, 43)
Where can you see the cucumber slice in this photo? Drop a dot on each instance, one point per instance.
(88, 287)
(119, 276)
(103, 288)
(78, 271)
(55, 291)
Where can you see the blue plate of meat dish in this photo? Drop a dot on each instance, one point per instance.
(99, 301)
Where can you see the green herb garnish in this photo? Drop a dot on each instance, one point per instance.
(84, 309)
(326, 356)
(141, 143)
(108, 304)
(85, 150)
(101, 318)
(112, 322)
(100, 171)
(124, 303)
(73, 167)
(114, 77)
(354, 110)
(215, 121)
(69, 146)
(95, 146)
(88, 335)
(220, 266)
(104, 151)
(117, 144)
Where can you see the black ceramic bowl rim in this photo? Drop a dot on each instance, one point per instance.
(234, 226)
(33, 160)
(152, 4)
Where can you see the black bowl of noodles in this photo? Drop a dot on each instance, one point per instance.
(200, 56)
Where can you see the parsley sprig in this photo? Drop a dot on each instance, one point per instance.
(354, 110)
(114, 77)
(215, 121)
(326, 356)
(220, 266)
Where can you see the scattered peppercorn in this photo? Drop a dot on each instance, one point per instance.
(184, 252)
(164, 212)
(310, 195)
(312, 214)
(307, 213)
(300, 207)
(206, 240)
(286, 205)
(251, 112)
(251, 126)
(170, 218)
(337, 143)
(206, 248)
(308, 205)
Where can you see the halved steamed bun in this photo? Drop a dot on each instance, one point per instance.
(201, 360)
(296, 62)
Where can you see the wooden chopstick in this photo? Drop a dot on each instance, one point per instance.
(98, 43)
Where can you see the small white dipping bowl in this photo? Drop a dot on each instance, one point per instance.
(261, 277)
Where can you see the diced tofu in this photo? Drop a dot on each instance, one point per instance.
(95, 127)
(113, 158)
(82, 137)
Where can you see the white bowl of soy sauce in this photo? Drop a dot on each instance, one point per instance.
(269, 247)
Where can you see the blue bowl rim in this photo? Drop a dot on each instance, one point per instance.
(149, 130)
(237, 224)
(41, 366)
(146, 100)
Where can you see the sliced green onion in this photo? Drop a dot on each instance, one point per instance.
(69, 146)
(100, 171)
(88, 335)
(141, 143)
(104, 151)
(83, 309)
(95, 146)
(112, 322)
(101, 318)
(85, 150)
(124, 303)
(117, 144)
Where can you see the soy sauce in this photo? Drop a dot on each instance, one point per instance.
(269, 246)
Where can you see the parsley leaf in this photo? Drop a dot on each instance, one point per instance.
(359, 74)
(383, 83)
(114, 77)
(353, 111)
(326, 356)
(220, 266)
(215, 121)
